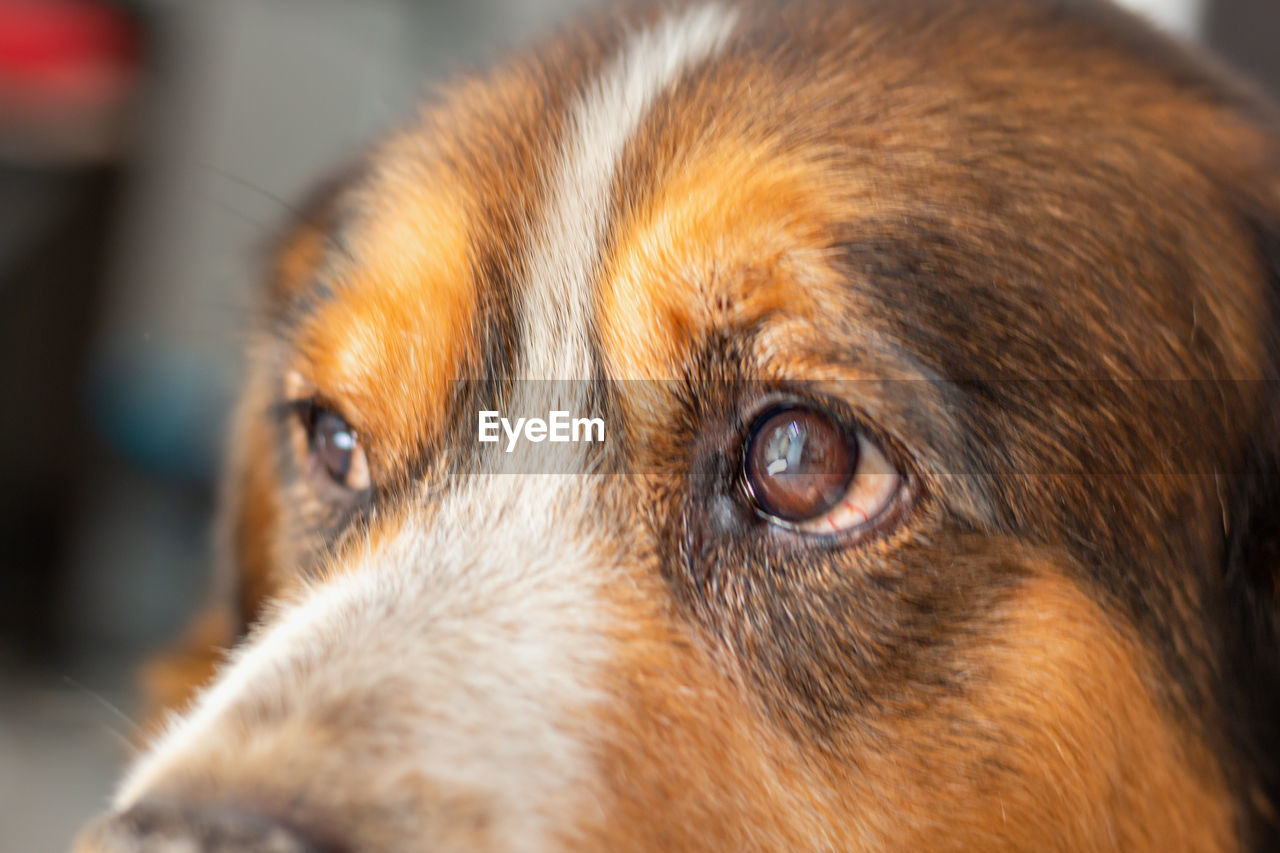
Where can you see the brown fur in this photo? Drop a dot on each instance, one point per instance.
(1023, 245)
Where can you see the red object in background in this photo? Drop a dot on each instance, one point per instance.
(63, 54)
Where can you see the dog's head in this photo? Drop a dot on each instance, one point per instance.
(924, 489)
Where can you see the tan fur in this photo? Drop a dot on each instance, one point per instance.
(1031, 657)
(388, 349)
(1059, 746)
(732, 239)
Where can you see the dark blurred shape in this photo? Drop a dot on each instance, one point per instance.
(51, 289)
(1244, 32)
(67, 72)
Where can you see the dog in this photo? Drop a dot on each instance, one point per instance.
(934, 503)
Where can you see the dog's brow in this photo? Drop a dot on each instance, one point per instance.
(563, 249)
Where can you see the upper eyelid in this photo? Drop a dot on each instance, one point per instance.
(902, 412)
(281, 410)
(297, 392)
(855, 418)
(784, 396)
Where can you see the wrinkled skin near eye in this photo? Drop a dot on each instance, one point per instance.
(806, 470)
(334, 447)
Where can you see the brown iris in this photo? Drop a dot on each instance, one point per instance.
(334, 445)
(799, 463)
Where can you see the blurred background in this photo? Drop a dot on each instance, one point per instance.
(148, 150)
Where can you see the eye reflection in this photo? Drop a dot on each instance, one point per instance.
(799, 464)
(335, 447)
(805, 469)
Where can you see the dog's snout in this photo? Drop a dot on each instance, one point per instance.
(180, 828)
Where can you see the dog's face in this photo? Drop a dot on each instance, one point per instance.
(931, 510)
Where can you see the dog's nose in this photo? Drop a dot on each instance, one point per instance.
(181, 828)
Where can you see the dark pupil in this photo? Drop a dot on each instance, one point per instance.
(333, 442)
(799, 464)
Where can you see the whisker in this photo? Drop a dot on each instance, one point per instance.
(241, 182)
(109, 705)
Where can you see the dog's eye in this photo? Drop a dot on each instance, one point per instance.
(335, 448)
(807, 470)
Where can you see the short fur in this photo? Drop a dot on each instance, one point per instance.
(1033, 248)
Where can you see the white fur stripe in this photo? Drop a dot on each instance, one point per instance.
(498, 635)
(494, 644)
(255, 664)
(565, 243)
